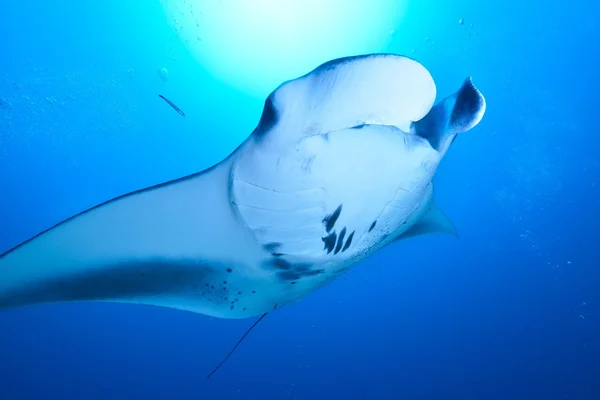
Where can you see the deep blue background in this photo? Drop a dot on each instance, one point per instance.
(511, 310)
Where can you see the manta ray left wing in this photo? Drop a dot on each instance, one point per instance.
(176, 245)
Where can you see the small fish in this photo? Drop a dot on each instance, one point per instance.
(169, 102)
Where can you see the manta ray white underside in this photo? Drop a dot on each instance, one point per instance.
(340, 165)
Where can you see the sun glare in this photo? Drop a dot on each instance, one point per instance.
(254, 45)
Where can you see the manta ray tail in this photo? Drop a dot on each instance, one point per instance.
(455, 114)
(236, 346)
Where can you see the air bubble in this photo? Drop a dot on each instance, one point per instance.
(164, 74)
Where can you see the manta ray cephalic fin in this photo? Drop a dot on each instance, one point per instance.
(455, 114)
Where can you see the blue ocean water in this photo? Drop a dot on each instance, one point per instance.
(510, 310)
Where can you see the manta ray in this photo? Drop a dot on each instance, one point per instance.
(339, 166)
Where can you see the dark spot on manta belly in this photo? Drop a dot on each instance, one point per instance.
(372, 225)
(299, 271)
(272, 246)
(288, 275)
(348, 242)
(281, 264)
(313, 272)
(302, 267)
(329, 242)
(292, 275)
(340, 241)
(331, 219)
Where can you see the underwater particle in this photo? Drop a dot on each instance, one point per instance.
(164, 74)
(461, 21)
(4, 104)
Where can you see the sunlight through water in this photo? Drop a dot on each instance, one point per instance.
(254, 45)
